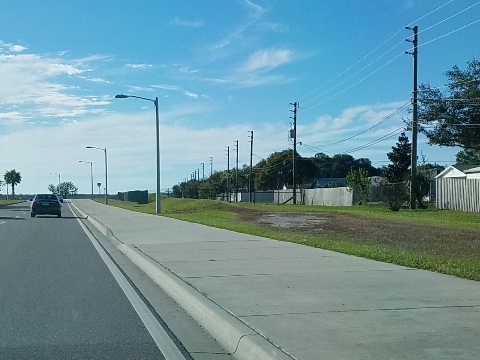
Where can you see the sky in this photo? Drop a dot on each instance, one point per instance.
(220, 69)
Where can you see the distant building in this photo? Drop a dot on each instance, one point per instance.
(325, 182)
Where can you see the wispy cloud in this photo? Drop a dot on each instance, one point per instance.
(256, 10)
(96, 80)
(187, 23)
(255, 14)
(267, 59)
(273, 26)
(13, 117)
(167, 87)
(188, 70)
(190, 94)
(178, 88)
(138, 66)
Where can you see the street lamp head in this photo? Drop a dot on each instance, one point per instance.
(121, 96)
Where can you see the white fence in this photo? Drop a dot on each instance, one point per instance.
(322, 196)
(339, 196)
(458, 194)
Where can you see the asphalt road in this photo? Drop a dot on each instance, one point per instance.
(58, 298)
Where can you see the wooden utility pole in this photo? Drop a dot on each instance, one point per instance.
(294, 150)
(228, 173)
(413, 166)
(236, 172)
(250, 176)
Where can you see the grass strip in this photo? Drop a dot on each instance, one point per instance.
(224, 215)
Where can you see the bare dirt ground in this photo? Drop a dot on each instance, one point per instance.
(432, 239)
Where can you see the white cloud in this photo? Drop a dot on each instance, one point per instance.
(17, 48)
(31, 80)
(138, 66)
(256, 10)
(96, 80)
(267, 59)
(190, 94)
(187, 70)
(177, 88)
(167, 87)
(13, 117)
(187, 23)
(273, 26)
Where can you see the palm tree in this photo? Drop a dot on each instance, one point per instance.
(12, 177)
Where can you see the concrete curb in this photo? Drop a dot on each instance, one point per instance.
(238, 339)
(99, 226)
(243, 342)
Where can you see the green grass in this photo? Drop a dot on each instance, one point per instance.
(224, 215)
(9, 202)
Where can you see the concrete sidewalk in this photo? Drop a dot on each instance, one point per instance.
(266, 299)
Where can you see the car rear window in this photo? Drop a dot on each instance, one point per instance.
(46, 197)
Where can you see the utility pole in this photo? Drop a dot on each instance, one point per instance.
(228, 173)
(236, 172)
(295, 105)
(250, 175)
(203, 171)
(211, 166)
(413, 166)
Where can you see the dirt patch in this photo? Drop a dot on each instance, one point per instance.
(433, 239)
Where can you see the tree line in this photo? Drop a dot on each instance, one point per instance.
(274, 172)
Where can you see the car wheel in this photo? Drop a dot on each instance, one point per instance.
(32, 214)
(59, 215)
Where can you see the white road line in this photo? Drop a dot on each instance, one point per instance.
(3, 222)
(168, 348)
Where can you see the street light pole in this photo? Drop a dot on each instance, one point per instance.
(106, 167)
(58, 177)
(157, 126)
(91, 172)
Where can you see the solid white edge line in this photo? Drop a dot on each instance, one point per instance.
(166, 345)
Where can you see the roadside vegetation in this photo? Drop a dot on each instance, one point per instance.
(437, 240)
(9, 202)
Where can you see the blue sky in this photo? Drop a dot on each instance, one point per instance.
(220, 69)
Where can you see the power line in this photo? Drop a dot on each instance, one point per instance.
(370, 53)
(449, 33)
(388, 62)
(448, 18)
(359, 81)
(382, 138)
(388, 117)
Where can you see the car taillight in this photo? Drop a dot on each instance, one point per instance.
(33, 203)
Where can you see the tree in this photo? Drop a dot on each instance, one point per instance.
(359, 183)
(177, 191)
(468, 157)
(206, 190)
(277, 170)
(394, 189)
(13, 178)
(66, 189)
(400, 156)
(455, 115)
(339, 165)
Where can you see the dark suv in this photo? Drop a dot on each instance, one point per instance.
(46, 204)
